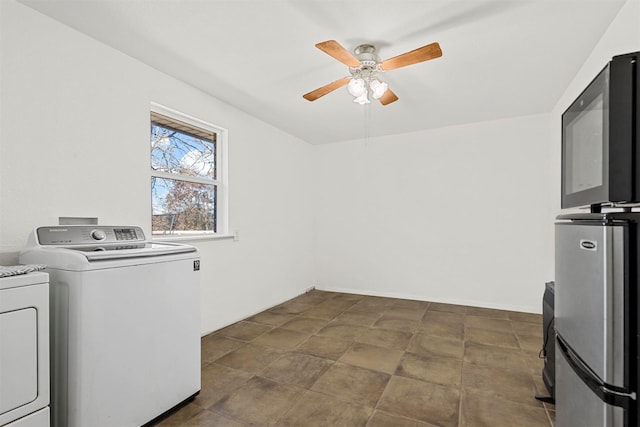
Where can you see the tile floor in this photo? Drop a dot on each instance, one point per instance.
(333, 359)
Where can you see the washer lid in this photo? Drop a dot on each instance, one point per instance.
(147, 249)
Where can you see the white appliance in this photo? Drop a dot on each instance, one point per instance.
(24, 350)
(125, 324)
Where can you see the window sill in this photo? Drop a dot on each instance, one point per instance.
(199, 237)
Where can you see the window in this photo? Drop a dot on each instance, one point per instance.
(188, 189)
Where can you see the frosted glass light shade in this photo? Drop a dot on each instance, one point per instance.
(357, 87)
(362, 99)
(378, 88)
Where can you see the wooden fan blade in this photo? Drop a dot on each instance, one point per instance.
(388, 97)
(322, 91)
(420, 54)
(335, 50)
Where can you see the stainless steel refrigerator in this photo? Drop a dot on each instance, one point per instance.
(596, 319)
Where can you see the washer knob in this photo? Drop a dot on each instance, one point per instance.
(98, 234)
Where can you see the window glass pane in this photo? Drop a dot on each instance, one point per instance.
(181, 152)
(180, 206)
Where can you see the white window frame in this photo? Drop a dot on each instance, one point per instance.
(221, 181)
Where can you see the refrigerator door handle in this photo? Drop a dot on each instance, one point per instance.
(610, 394)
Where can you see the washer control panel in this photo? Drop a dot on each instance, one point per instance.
(88, 234)
(98, 234)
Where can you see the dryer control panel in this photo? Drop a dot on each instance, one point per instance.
(88, 234)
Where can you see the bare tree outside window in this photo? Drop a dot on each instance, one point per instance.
(184, 177)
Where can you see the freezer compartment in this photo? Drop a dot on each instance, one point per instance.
(590, 296)
(576, 403)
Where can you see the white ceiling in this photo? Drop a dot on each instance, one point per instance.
(500, 58)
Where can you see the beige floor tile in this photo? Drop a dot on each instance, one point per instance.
(448, 308)
(386, 338)
(427, 345)
(181, 416)
(488, 312)
(251, 358)
(372, 357)
(214, 346)
(259, 401)
(441, 329)
(525, 317)
(343, 301)
(319, 410)
(301, 370)
(411, 304)
(409, 313)
(540, 387)
(271, 319)
(483, 410)
(217, 381)
(203, 418)
(497, 357)
(342, 331)
(527, 328)
(505, 385)
(358, 318)
(552, 416)
(321, 311)
(334, 359)
(372, 304)
(349, 297)
(422, 401)
(314, 297)
(326, 347)
(292, 307)
(443, 316)
(352, 384)
(434, 369)
(535, 363)
(480, 322)
(244, 331)
(490, 337)
(395, 323)
(305, 324)
(530, 344)
(382, 419)
(281, 338)
(211, 419)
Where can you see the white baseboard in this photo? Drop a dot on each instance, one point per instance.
(457, 301)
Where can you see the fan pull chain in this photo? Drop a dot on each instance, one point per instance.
(367, 124)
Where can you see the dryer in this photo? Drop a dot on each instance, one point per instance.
(125, 323)
(24, 350)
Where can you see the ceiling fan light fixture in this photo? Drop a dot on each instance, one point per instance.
(362, 99)
(364, 66)
(378, 88)
(357, 87)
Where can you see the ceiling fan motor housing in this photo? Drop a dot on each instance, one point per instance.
(369, 61)
(366, 52)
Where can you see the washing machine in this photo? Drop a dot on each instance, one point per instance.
(125, 315)
(24, 350)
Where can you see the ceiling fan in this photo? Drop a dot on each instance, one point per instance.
(364, 68)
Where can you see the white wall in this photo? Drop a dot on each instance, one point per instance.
(456, 214)
(461, 214)
(74, 126)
